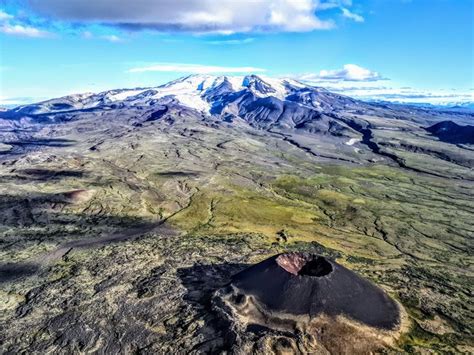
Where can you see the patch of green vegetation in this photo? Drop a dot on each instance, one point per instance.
(243, 211)
(313, 247)
(416, 216)
(390, 225)
(359, 260)
(63, 269)
(417, 339)
(409, 234)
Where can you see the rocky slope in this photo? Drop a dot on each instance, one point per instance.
(302, 115)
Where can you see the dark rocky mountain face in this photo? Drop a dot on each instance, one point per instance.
(451, 132)
(256, 84)
(123, 212)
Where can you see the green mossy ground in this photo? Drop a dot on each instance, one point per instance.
(409, 233)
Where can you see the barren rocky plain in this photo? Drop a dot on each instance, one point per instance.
(120, 221)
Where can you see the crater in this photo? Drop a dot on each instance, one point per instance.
(317, 267)
(304, 264)
(343, 312)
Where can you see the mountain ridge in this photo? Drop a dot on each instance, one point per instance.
(192, 85)
(310, 118)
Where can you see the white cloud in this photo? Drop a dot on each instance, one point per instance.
(112, 38)
(194, 69)
(405, 95)
(16, 101)
(4, 16)
(385, 90)
(350, 15)
(350, 72)
(201, 16)
(87, 35)
(361, 83)
(332, 4)
(24, 31)
(232, 41)
(10, 26)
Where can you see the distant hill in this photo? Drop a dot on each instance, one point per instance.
(450, 132)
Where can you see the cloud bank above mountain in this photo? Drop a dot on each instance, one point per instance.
(193, 69)
(350, 72)
(200, 16)
(366, 84)
(407, 95)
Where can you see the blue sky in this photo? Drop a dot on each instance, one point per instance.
(405, 50)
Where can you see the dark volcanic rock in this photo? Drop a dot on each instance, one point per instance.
(302, 284)
(451, 132)
(156, 115)
(255, 83)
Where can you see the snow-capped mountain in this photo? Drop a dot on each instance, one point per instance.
(260, 102)
(312, 119)
(200, 92)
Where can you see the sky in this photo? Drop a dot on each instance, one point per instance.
(397, 50)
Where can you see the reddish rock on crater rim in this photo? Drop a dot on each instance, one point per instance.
(304, 264)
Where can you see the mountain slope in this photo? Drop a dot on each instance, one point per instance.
(311, 118)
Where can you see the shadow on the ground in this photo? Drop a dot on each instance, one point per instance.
(48, 142)
(201, 282)
(11, 272)
(178, 174)
(49, 209)
(32, 220)
(22, 146)
(26, 175)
